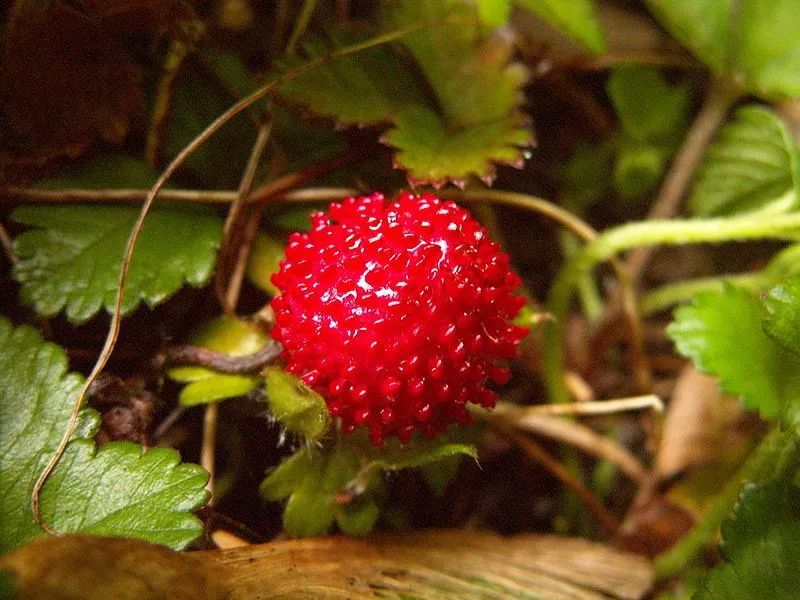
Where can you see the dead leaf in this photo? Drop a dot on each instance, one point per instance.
(425, 565)
(65, 82)
(699, 425)
(705, 436)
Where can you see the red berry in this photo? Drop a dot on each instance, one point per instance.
(397, 313)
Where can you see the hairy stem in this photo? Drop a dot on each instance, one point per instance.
(625, 237)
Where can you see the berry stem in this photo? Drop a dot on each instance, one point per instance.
(633, 235)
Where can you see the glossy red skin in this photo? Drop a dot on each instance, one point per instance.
(398, 313)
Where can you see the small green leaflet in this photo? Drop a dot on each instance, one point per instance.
(311, 479)
(577, 18)
(116, 490)
(337, 481)
(463, 117)
(71, 257)
(754, 164)
(723, 333)
(761, 544)
(751, 42)
(227, 335)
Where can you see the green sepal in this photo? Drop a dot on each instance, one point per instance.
(299, 408)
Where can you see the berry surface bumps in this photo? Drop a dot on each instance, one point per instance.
(398, 313)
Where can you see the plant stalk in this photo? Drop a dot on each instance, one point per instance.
(625, 237)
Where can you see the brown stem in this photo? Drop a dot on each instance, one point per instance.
(219, 362)
(208, 450)
(640, 57)
(228, 291)
(7, 245)
(608, 521)
(279, 189)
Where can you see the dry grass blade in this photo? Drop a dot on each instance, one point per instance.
(581, 437)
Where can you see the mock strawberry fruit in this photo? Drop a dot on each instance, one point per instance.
(398, 313)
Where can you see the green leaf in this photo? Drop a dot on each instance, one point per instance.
(359, 518)
(123, 491)
(653, 117)
(71, 258)
(299, 408)
(302, 142)
(227, 335)
(284, 479)
(433, 152)
(783, 309)
(638, 168)
(116, 491)
(395, 456)
(702, 26)
(761, 543)
(264, 261)
(308, 513)
(36, 396)
(311, 478)
(649, 109)
(577, 18)
(366, 88)
(476, 119)
(754, 164)
(216, 388)
(456, 123)
(585, 176)
(337, 481)
(767, 51)
(724, 336)
(751, 42)
(494, 13)
(101, 171)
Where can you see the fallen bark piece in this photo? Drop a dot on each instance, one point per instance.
(428, 565)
